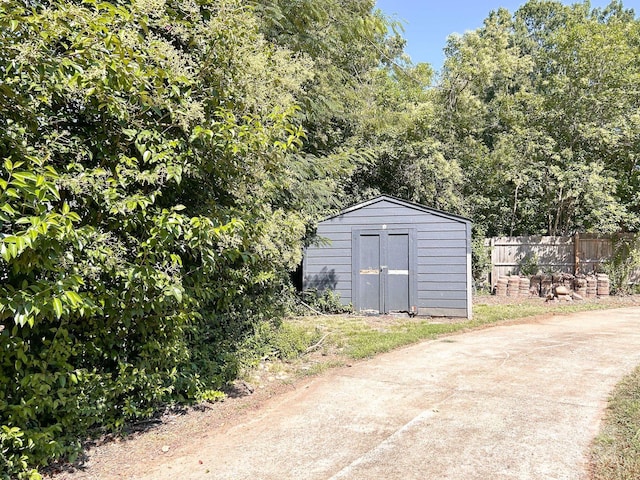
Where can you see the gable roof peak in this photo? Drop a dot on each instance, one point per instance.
(404, 203)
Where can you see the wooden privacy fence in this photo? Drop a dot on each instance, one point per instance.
(580, 253)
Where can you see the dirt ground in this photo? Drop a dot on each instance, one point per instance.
(177, 433)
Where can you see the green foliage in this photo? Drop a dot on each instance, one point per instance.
(146, 150)
(14, 461)
(624, 262)
(538, 108)
(348, 43)
(480, 257)
(267, 341)
(529, 265)
(211, 396)
(345, 39)
(400, 120)
(325, 301)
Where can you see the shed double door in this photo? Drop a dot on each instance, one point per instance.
(383, 273)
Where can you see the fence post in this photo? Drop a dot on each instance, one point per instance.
(576, 253)
(493, 278)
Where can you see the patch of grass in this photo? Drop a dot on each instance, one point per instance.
(615, 453)
(359, 337)
(282, 342)
(495, 313)
(369, 342)
(365, 342)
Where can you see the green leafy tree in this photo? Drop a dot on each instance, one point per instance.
(400, 123)
(540, 112)
(588, 79)
(146, 148)
(346, 41)
(485, 84)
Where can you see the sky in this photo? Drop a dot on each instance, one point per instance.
(427, 24)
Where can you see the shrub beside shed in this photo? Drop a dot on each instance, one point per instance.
(389, 255)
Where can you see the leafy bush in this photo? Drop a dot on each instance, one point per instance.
(283, 341)
(625, 259)
(325, 301)
(480, 259)
(144, 216)
(14, 462)
(529, 265)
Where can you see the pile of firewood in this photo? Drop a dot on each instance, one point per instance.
(561, 286)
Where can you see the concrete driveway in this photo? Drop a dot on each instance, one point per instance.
(517, 401)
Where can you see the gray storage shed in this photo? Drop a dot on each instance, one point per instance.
(390, 255)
